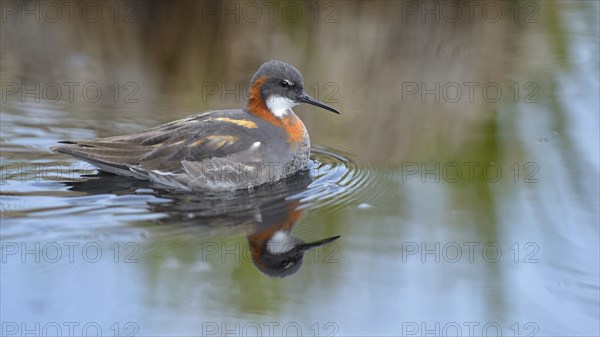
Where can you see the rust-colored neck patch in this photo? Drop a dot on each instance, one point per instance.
(291, 124)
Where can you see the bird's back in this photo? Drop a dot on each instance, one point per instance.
(217, 150)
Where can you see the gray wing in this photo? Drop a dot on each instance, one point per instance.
(164, 148)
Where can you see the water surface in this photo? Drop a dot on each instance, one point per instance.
(458, 212)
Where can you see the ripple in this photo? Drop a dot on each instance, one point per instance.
(339, 181)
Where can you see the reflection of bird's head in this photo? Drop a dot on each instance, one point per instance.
(275, 251)
(282, 254)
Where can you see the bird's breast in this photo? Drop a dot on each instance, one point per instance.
(294, 129)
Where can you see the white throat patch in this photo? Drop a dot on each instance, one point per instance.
(280, 106)
(281, 242)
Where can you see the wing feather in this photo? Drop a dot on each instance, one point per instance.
(164, 148)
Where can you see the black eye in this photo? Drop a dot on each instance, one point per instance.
(285, 83)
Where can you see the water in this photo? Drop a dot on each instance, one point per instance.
(459, 212)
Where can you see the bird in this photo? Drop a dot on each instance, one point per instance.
(222, 150)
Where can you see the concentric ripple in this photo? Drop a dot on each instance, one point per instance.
(338, 180)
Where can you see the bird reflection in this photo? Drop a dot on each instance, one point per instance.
(268, 213)
(275, 251)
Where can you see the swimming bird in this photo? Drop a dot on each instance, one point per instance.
(217, 150)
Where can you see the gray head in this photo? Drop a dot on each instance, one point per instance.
(280, 86)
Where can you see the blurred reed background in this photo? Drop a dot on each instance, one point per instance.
(368, 50)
